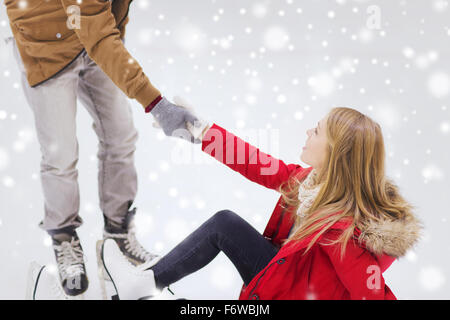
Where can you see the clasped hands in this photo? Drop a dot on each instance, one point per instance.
(178, 120)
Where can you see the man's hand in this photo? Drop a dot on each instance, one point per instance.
(175, 120)
(197, 129)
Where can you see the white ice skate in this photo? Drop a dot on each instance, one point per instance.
(119, 278)
(165, 294)
(43, 284)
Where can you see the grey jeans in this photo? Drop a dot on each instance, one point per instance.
(54, 106)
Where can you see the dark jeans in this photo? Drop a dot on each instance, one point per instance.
(249, 251)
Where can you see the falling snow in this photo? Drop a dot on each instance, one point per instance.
(261, 64)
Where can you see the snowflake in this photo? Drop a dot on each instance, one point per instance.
(431, 278)
(439, 84)
(276, 38)
(4, 159)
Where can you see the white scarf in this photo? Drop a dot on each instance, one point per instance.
(307, 193)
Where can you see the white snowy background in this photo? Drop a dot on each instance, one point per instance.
(251, 66)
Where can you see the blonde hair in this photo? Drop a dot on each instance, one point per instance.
(353, 181)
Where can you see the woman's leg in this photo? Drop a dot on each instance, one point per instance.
(249, 251)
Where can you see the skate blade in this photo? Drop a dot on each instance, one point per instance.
(34, 272)
(106, 285)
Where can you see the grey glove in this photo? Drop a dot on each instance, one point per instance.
(173, 120)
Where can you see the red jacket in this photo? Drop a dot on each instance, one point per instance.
(320, 273)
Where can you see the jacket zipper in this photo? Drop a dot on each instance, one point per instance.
(278, 261)
(64, 68)
(279, 224)
(273, 237)
(126, 14)
(259, 279)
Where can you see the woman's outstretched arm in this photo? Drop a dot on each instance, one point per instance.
(246, 159)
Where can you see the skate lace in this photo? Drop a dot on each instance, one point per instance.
(70, 258)
(135, 248)
(132, 245)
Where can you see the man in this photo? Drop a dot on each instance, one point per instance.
(69, 49)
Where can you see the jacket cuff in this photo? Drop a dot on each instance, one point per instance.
(147, 94)
(153, 104)
(206, 142)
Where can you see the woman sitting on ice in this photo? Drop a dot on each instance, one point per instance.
(336, 228)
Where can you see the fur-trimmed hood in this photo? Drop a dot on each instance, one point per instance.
(392, 237)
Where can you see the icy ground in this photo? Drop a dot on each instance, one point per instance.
(266, 69)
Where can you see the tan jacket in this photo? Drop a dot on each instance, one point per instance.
(50, 35)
